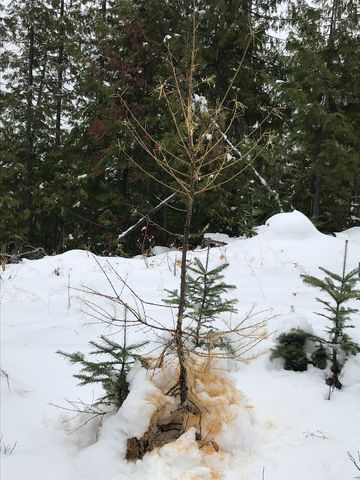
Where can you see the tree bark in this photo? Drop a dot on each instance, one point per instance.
(328, 103)
(29, 146)
(60, 73)
(316, 203)
(354, 206)
(179, 340)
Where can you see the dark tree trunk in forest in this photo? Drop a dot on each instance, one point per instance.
(29, 147)
(42, 80)
(316, 201)
(103, 8)
(179, 338)
(60, 73)
(354, 207)
(328, 103)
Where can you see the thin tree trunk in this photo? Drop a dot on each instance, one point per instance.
(338, 330)
(60, 73)
(179, 340)
(29, 147)
(103, 8)
(328, 103)
(42, 79)
(354, 206)
(316, 203)
(199, 319)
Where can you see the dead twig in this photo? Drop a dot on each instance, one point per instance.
(80, 408)
(355, 461)
(317, 434)
(5, 375)
(6, 448)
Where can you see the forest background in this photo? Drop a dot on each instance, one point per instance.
(72, 69)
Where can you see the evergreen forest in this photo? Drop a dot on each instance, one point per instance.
(72, 70)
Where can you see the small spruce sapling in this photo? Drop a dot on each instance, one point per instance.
(299, 348)
(204, 300)
(111, 372)
(291, 347)
(341, 289)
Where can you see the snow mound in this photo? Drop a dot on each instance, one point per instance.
(294, 225)
(293, 320)
(143, 397)
(352, 234)
(227, 428)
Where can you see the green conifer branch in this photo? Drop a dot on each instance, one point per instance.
(110, 373)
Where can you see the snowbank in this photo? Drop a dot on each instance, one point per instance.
(292, 225)
(283, 422)
(352, 234)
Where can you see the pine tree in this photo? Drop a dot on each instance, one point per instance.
(299, 348)
(341, 289)
(62, 115)
(40, 62)
(110, 373)
(22, 116)
(131, 62)
(320, 145)
(204, 300)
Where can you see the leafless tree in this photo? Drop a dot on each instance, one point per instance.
(200, 160)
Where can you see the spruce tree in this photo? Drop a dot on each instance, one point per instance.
(111, 372)
(22, 116)
(40, 60)
(131, 63)
(204, 300)
(320, 93)
(299, 348)
(341, 289)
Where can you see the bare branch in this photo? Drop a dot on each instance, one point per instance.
(356, 462)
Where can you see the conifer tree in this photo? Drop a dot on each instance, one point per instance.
(40, 60)
(132, 66)
(298, 349)
(22, 115)
(341, 289)
(204, 300)
(320, 146)
(338, 346)
(192, 157)
(110, 372)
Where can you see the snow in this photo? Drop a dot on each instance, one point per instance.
(281, 424)
(158, 250)
(352, 234)
(219, 237)
(201, 102)
(291, 225)
(141, 390)
(293, 321)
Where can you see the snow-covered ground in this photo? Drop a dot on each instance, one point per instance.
(285, 427)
